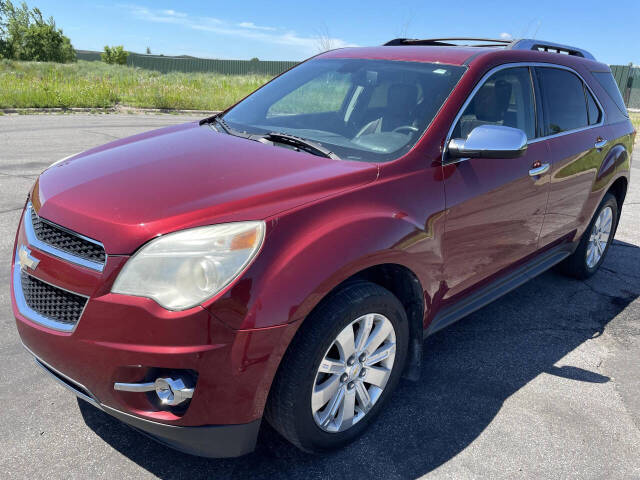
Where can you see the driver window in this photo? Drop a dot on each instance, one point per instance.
(506, 98)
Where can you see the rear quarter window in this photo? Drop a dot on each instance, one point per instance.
(608, 83)
(595, 116)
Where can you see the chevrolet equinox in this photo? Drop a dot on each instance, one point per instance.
(285, 258)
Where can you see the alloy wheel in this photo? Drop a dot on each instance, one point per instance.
(353, 373)
(599, 237)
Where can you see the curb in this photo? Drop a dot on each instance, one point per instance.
(107, 110)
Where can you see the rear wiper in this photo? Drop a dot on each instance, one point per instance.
(301, 144)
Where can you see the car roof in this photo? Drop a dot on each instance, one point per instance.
(431, 54)
(462, 55)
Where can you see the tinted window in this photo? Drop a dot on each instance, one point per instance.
(563, 98)
(594, 112)
(506, 98)
(609, 84)
(369, 110)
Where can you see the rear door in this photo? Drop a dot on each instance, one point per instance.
(495, 207)
(573, 129)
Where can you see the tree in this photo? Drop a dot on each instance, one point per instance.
(324, 41)
(114, 55)
(25, 35)
(3, 29)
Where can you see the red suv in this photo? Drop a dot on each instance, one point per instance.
(285, 258)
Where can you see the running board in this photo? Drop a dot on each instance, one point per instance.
(500, 287)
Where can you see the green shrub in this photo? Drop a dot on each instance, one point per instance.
(114, 55)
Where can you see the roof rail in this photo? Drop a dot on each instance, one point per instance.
(449, 42)
(520, 44)
(543, 46)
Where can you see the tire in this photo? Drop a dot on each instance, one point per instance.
(580, 265)
(289, 408)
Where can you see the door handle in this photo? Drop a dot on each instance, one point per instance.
(600, 143)
(542, 169)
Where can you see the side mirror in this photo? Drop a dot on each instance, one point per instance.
(490, 141)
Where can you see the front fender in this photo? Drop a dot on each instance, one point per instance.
(311, 250)
(308, 253)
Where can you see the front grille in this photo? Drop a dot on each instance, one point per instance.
(51, 302)
(66, 241)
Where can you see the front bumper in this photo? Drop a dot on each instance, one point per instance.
(214, 441)
(121, 338)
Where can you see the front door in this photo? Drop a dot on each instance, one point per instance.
(495, 207)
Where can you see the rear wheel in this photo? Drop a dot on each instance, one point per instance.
(595, 241)
(340, 368)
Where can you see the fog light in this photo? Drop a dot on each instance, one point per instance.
(170, 391)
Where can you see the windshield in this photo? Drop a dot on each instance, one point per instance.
(367, 110)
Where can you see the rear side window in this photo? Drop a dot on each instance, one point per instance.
(564, 100)
(592, 108)
(611, 87)
(506, 98)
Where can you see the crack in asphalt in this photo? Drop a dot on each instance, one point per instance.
(614, 272)
(11, 210)
(115, 137)
(618, 243)
(18, 175)
(614, 298)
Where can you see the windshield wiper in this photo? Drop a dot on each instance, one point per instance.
(217, 121)
(301, 144)
(276, 137)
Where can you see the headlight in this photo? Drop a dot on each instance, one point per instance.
(181, 270)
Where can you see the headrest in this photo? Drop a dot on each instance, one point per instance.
(402, 96)
(492, 101)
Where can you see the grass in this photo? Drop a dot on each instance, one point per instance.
(98, 85)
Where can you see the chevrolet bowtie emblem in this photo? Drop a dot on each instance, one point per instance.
(26, 260)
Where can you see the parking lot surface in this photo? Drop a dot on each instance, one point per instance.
(544, 383)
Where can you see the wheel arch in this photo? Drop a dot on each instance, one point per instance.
(619, 190)
(402, 282)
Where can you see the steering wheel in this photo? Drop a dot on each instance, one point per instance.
(405, 127)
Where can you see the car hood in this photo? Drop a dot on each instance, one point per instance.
(126, 192)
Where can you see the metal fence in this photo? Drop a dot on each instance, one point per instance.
(166, 64)
(628, 79)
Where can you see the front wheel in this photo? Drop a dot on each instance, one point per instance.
(340, 368)
(595, 241)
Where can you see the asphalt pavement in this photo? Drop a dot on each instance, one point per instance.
(543, 383)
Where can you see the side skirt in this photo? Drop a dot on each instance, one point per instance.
(499, 287)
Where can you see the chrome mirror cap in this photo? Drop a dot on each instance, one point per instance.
(490, 141)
